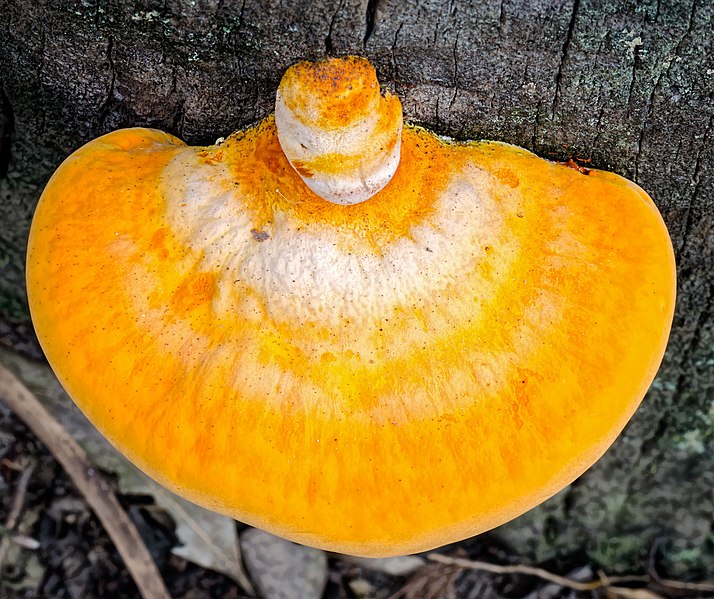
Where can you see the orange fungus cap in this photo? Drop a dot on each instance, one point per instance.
(404, 360)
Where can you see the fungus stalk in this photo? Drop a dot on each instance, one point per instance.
(337, 130)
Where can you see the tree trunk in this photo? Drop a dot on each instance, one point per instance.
(625, 85)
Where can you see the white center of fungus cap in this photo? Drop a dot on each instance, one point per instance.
(314, 277)
(315, 273)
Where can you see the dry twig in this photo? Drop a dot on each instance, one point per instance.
(706, 586)
(18, 502)
(90, 483)
(695, 587)
(602, 583)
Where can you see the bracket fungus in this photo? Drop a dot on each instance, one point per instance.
(348, 331)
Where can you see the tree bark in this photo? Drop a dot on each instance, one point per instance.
(625, 85)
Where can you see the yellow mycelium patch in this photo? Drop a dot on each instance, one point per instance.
(376, 379)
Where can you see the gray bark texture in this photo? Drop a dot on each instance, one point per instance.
(626, 85)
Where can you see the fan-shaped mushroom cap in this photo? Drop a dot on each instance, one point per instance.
(378, 378)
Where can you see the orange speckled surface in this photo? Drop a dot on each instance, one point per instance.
(332, 93)
(374, 379)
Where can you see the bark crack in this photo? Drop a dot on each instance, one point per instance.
(454, 54)
(696, 178)
(178, 119)
(393, 55)
(104, 108)
(329, 47)
(241, 14)
(7, 126)
(635, 65)
(97, 15)
(564, 55)
(501, 18)
(641, 138)
(369, 20)
(650, 99)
